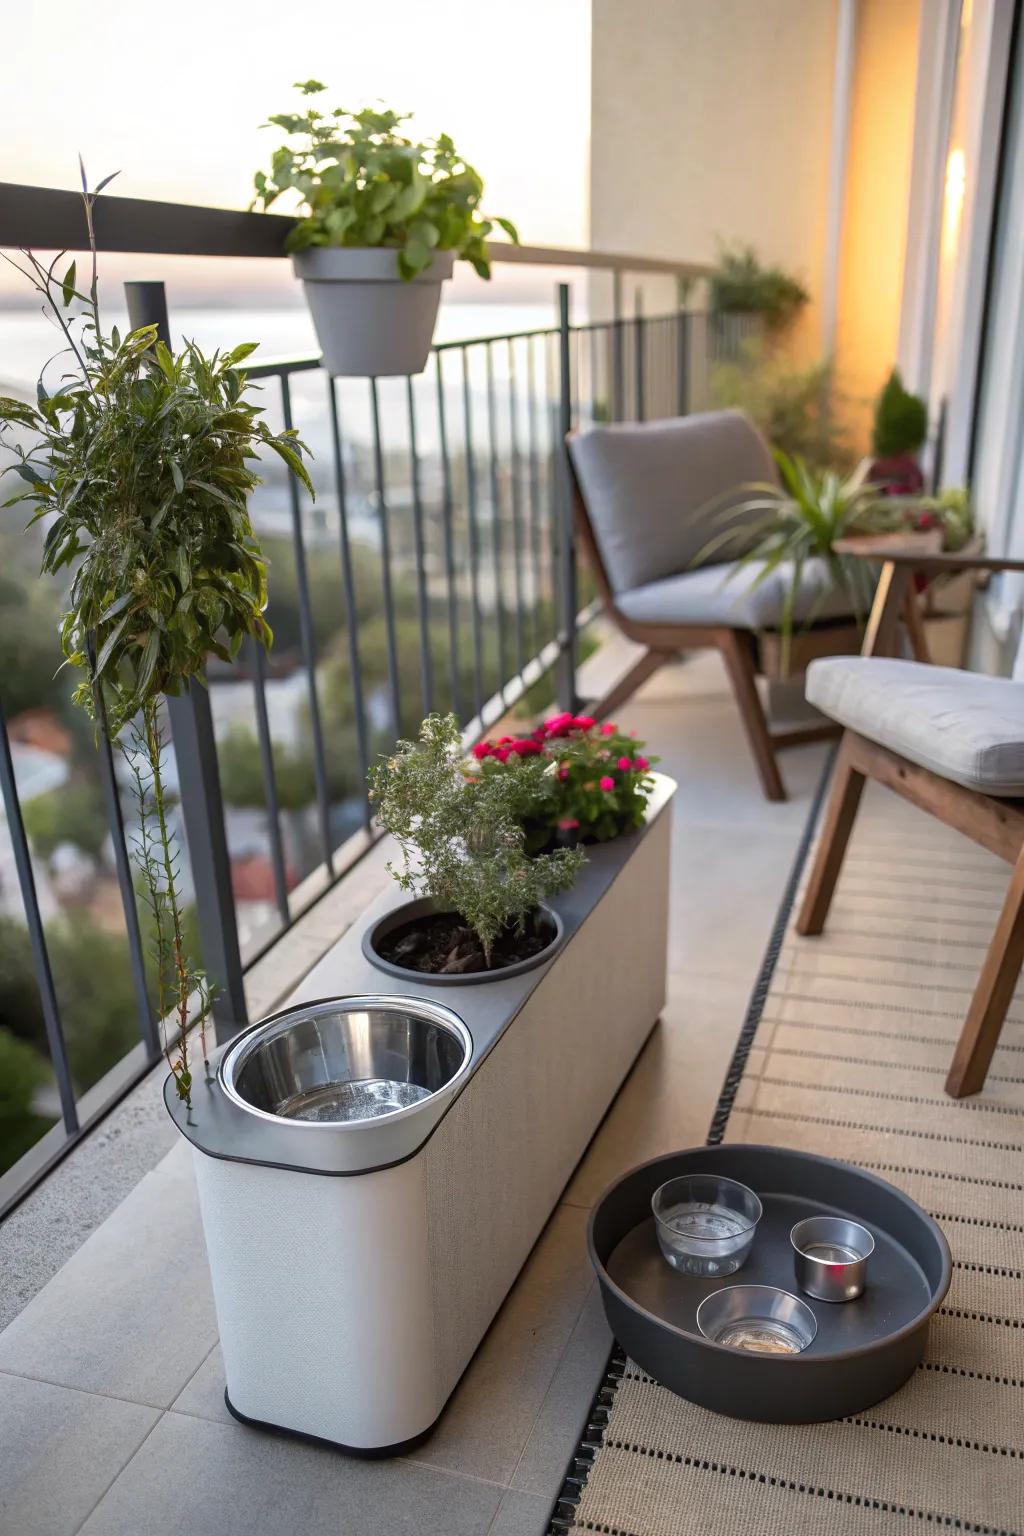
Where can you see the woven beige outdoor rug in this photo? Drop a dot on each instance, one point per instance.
(844, 1053)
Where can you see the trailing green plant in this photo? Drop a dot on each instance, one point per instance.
(143, 464)
(793, 407)
(363, 183)
(461, 838)
(950, 510)
(740, 284)
(802, 518)
(901, 420)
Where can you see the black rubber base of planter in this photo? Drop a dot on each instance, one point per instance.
(365, 1453)
(864, 1350)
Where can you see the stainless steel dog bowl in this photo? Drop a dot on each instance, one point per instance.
(830, 1257)
(347, 1060)
(758, 1319)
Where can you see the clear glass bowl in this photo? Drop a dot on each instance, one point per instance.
(705, 1224)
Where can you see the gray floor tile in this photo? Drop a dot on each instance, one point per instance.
(726, 887)
(106, 1321)
(59, 1452)
(203, 1396)
(670, 1095)
(213, 1480)
(521, 1514)
(488, 1422)
(565, 1408)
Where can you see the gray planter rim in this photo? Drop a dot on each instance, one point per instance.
(426, 906)
(365, 264)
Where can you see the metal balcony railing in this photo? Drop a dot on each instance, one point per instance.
(437, 570)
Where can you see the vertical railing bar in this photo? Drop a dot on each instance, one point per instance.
(565, 671)
(639, 360)
(516, 508)
(34, 922)
(385, 559)
(277, 863)
(682, 362)
(618, 350)
(148, 1026)
(422, 601)
(474, 539)
(349, 592)
(496, 541)
(308, 643)
(449, 542)
(533, 528)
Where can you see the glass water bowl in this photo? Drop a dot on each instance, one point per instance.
(758, 1319)
(705, 1224)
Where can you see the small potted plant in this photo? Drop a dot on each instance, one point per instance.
(598, 779)
(142, 462)
(898, 434)
(385, 218)
(480, 910)
(742, 285)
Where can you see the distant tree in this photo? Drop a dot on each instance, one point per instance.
(23, 1071)
(72, 814)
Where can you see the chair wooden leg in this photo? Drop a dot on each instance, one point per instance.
(993, 994)
(847, 787)
(624, 689)
(739, 663)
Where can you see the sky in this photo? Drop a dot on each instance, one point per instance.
(172, 95)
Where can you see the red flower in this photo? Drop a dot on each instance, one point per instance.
(608, 729)
(567, 823)
(524, 747)
(625, 764)
(557, 722)
(481, 750)
(583, 722)
(925, 521)
(501, 753)
(563, 772)
(641, 764)
(504, 741)
(607, 783)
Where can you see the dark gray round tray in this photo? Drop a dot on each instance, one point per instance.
(864, 1349)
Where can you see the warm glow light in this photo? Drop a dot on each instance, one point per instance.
(953, 203)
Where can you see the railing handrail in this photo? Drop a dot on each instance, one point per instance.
(50, 218)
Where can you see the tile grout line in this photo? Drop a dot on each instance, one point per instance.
(63, 1386)
(153, 1427)
(551, 1379)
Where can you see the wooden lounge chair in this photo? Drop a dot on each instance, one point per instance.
(952, 743)
(641, 496)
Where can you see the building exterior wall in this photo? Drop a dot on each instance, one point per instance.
(712, 121)
(873, 246)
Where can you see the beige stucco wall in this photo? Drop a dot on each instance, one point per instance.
(712, 118)
(876, 203)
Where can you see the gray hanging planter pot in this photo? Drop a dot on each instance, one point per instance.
(370, 322)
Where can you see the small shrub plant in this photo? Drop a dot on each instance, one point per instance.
(597, 777)
(741, 284)
(363, 183)
(461, 835)
(901, 420)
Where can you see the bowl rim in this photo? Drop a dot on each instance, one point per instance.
(812, 1258)
(680, 1178)
(774, 1290)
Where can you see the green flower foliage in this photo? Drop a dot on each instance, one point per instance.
(901, 420)
(741, 285)
(142, 463)
(365, 184)
(460, 834)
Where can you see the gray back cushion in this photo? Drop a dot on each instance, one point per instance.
(648, 487)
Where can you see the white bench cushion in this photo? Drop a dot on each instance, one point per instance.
(655, 491)
(966, 727)
(723, 595)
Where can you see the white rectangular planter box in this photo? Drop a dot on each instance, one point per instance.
(349, 1303)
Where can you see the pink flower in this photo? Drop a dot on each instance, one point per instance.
(481, 750)
(563, 772)
(524, 747)
(505, 741)
(625, 764)
(567, 823)
(641, 764)
(608, 729)
(501, 753)
(607, 783)
(558, 721)
(583, 722)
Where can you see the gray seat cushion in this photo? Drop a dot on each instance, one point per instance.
(710, 595)
(648, 488)
(966, 727)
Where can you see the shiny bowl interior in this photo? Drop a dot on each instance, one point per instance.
(758, 1319)
(347, 1059)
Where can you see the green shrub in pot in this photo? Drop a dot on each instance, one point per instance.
(384, 217)
(142, 463)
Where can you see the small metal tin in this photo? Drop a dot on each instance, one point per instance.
(830, 1257)
(758, 1319)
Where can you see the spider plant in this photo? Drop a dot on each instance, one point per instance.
(802, 518)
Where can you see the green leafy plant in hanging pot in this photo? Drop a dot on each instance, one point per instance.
(384, 218)
(142, 464)
(742, 285)
(463, 848)
(793, 526)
